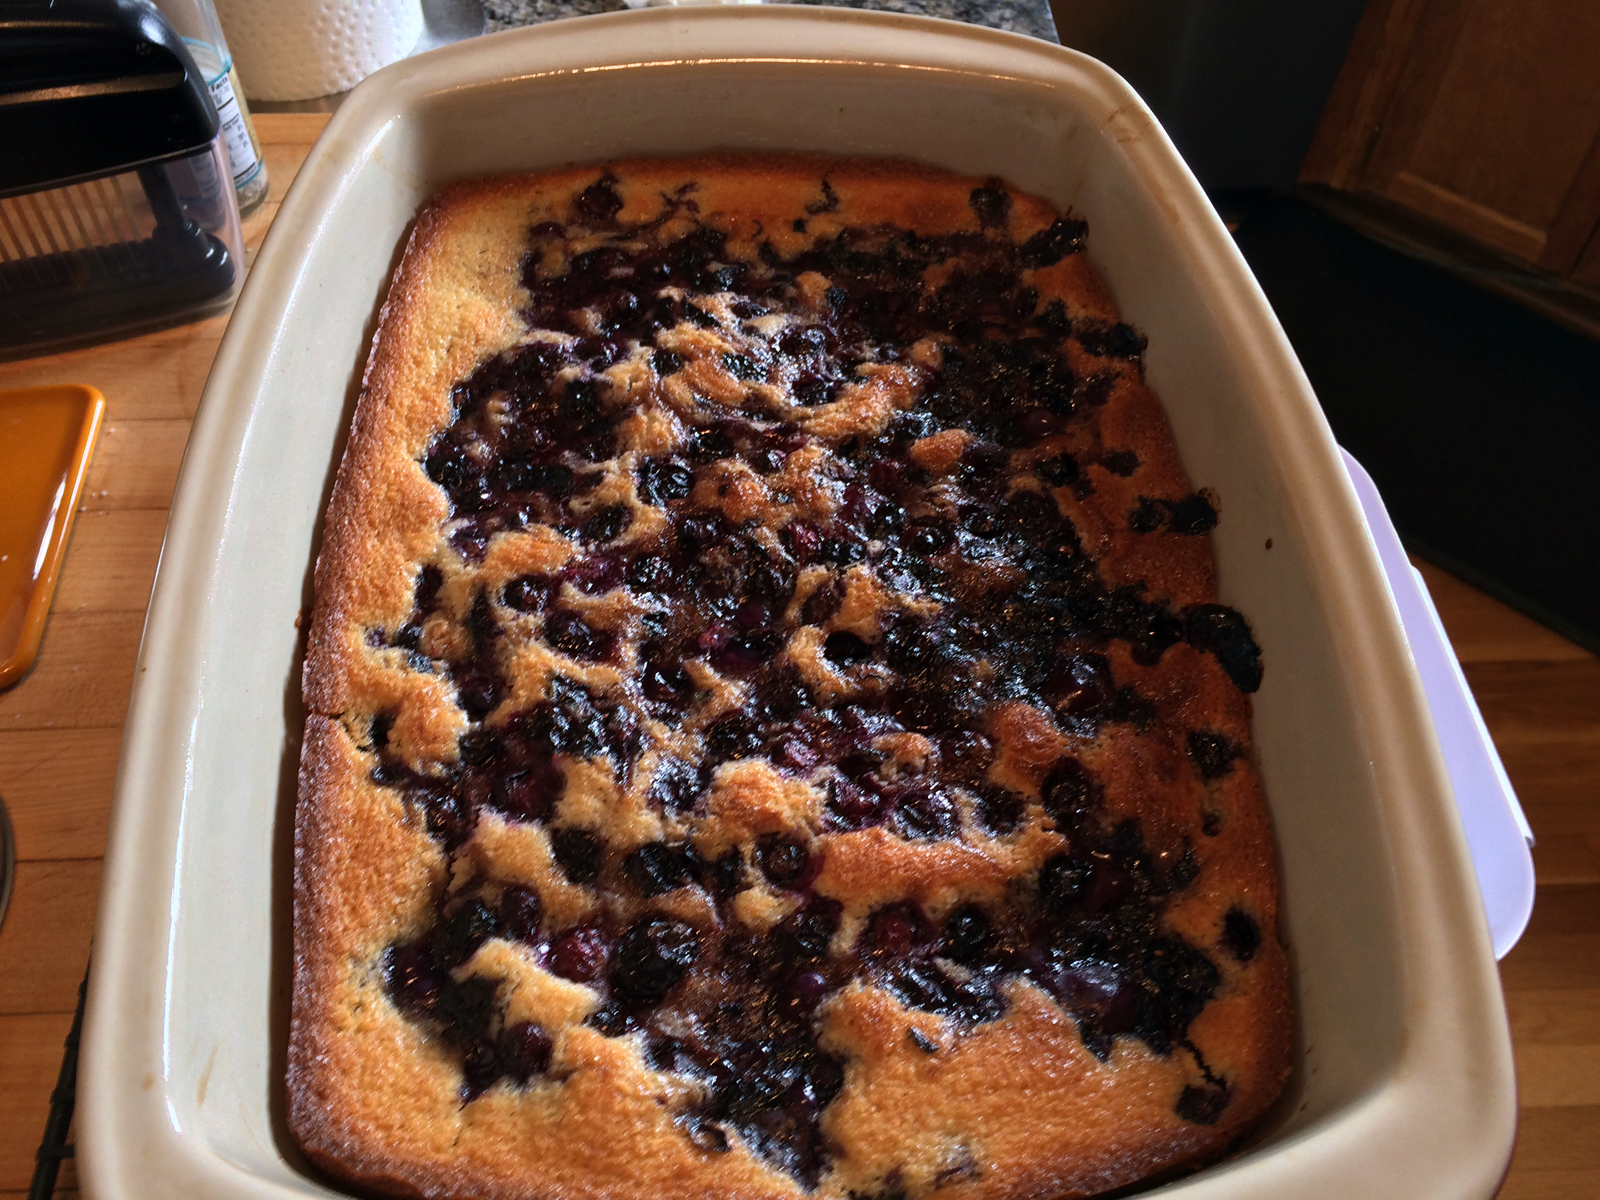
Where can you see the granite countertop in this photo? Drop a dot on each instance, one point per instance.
(1031, 17)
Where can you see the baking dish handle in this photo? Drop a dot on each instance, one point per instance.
(1498, 834)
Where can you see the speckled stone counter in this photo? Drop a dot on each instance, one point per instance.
(1031, 17)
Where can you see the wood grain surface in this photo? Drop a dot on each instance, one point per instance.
(61, 730)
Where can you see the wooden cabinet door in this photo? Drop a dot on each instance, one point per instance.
(1482, 116)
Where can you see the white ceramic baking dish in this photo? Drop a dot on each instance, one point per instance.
(1403, 1075)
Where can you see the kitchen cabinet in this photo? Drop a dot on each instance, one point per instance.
(1477, 117)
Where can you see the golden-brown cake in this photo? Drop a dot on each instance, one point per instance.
(771, 727)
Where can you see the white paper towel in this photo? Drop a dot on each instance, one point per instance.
(299, 49)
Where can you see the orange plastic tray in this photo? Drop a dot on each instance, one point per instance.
(47, 436)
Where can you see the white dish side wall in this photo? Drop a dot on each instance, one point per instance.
(1402, 1082)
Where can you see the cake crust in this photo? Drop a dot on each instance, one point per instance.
(1045, 1095)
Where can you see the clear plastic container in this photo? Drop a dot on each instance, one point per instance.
(119, 252)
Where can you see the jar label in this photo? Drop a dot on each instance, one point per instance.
(242, 155)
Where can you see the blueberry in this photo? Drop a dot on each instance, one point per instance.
(911, 648)
(666, 682)
(926, 539)
(725, 875)
(1080, 685)
(523, 475)
(523, 1050)
(705, 1136)
(1000, 809)
(528, 593)
(1124, 341)
(967, 755)
(571, 634)
(782, 859)
(1068, 794)
(599, 201)
(1065, 236)
(659, 867)
(926, 810)
(651, 958)
(666, 362)
(519, 912)
(1212, 753)
(1058, 471)
(478, 747)
(664, 479)
(734, 736)
(649, 574)
(1062, 882)
(578, 853)
(675, 785)
(1224, 633)
(1147, 516)
(463, 932)
(1192, 515)
(1120, 462)
(982, 523)
(991, 203)
(851, 806)
(845, 648)
(741, 366)
(414, 980)
(923, 985)
(967, 935)
(609, 1019)
(580, 955)
(478, 690)
(1203, 1104)
(1241, 934)
(607, 524)
(897, 931)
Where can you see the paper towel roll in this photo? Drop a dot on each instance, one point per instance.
(300, 49)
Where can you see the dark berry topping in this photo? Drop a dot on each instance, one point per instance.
(783, 860)
(1203, 1105)
(1063, 881)
(1049, 246)
(658, 867)
(1120, 462)
(1059, 471)
(1223, 632)
(1241, 934)
(991, 203)
(599, 201)
(664, 479)
(1068, 794)
(995, 601)
(1212, 753)
(578, 852)
(967, 935)
(651, 958)
(579, 955)
(524, 1051)
(845, 649)
(463, 932)
(519, 913)
(528, 593)
(607, 524)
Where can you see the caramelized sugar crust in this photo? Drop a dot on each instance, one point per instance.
(772, 727)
